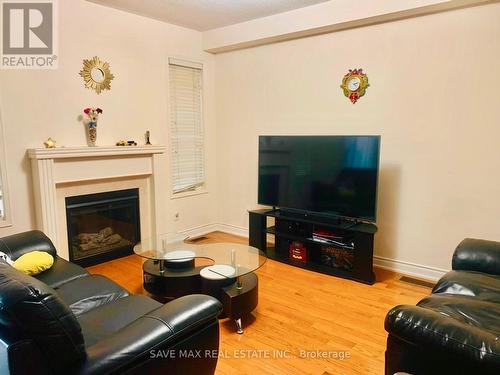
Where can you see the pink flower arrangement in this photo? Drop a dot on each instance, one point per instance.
(93, 115)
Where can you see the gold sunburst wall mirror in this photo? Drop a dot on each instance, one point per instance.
(96, 75)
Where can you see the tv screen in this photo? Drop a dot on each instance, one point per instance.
(331, 175)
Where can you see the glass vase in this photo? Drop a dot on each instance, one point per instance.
(92, 137)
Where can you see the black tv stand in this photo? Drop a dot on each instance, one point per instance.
(330, 219)
(348, 254)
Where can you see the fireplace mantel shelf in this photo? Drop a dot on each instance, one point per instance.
(90, 152)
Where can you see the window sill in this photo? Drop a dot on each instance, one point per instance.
(188, 194)
(5, 223)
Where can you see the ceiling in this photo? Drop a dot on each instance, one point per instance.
(205, 15)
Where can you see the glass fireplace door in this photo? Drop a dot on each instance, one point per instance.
(102, 226)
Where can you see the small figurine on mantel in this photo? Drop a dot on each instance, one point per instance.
(50, 143)
(148, 142)
(126, 143)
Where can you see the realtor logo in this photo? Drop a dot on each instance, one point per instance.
(28, 37)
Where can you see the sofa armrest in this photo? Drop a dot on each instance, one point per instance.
(18, 244)
(477, 255)
(437, 333)
(161, 329)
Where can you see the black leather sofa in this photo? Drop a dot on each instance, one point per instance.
(455, 330)
(66, 321)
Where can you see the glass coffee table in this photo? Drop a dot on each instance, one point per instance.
(175, 267)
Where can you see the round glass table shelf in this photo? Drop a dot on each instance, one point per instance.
(171, 249)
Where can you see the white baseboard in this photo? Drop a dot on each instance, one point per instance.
(410, 269)
(216, 227)
(233, 229)
(201, 230)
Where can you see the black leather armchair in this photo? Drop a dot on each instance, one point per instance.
(455, 330)
(66, 321)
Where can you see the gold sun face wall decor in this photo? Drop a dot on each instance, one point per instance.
(96, 75)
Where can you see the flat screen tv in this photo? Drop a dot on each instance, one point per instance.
(327, 175)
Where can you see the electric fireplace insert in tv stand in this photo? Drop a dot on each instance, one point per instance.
(326, 245)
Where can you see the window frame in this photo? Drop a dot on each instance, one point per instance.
(196, 64)
(7, 220)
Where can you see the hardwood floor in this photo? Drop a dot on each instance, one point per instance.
(299, 310)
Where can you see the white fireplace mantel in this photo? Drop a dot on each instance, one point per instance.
(61, 172)
(92, 152)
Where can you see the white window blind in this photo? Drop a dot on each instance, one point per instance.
(186, 126)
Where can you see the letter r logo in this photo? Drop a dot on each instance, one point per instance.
(27, 28)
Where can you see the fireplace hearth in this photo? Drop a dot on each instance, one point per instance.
(102, 226)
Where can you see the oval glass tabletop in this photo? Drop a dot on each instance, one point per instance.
(174, 248)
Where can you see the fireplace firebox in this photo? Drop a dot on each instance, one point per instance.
(102, 226)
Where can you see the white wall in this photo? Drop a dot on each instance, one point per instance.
(433, 98)
(39, 104)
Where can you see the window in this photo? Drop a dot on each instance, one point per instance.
(186, 126)
(4, 203)
(2, 207)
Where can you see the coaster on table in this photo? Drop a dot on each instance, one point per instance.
(218, 272)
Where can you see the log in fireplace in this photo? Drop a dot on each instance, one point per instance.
(102, 226)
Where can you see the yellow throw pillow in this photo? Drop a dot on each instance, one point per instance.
(34, 262)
